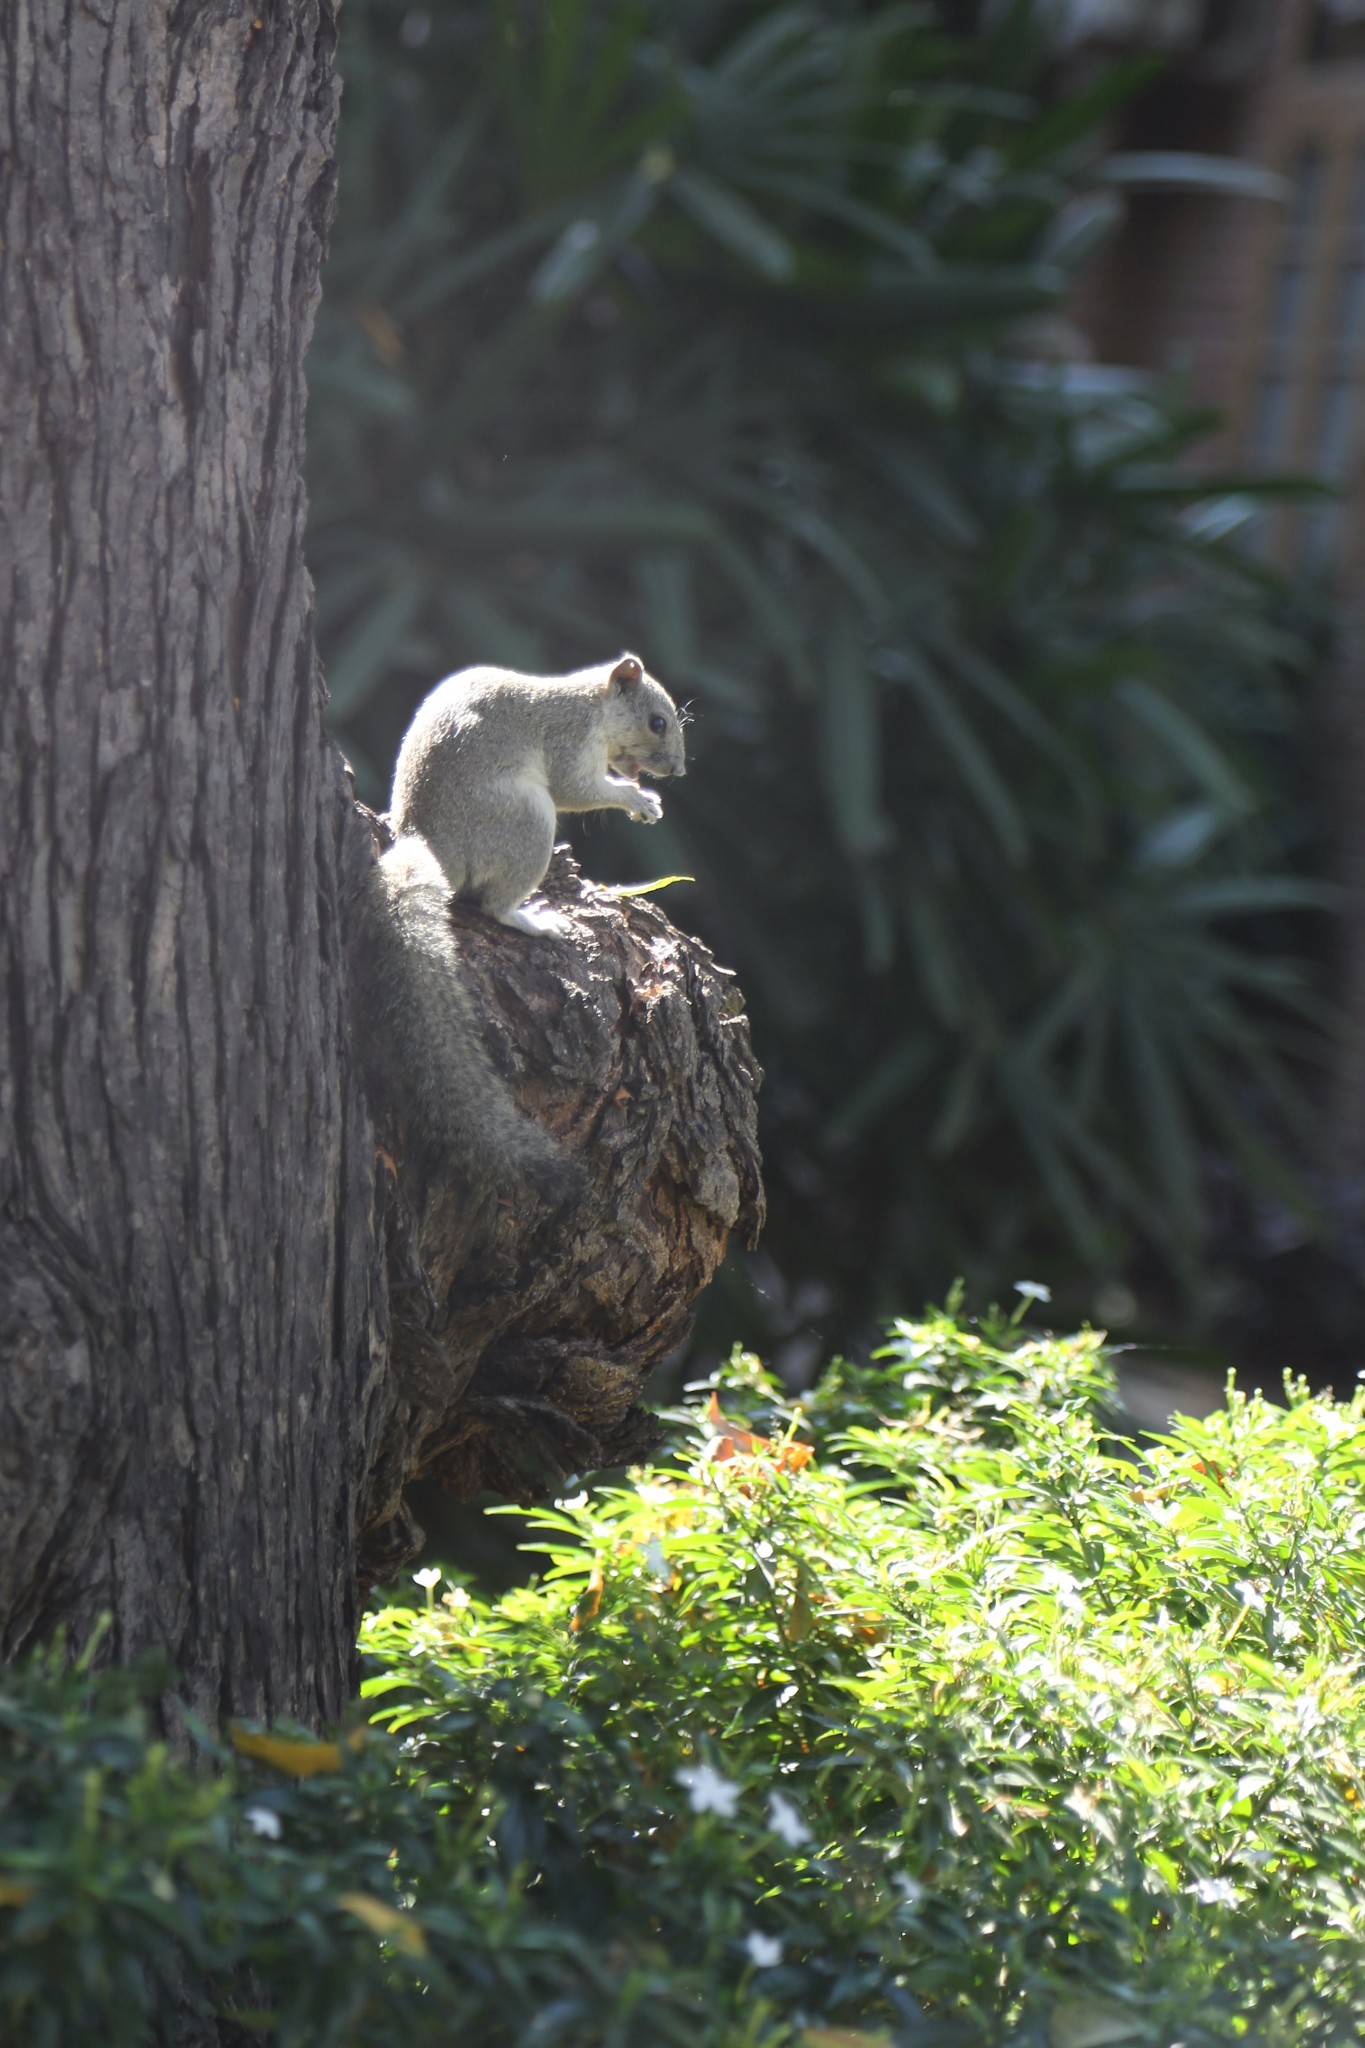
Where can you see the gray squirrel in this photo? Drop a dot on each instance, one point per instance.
(490, 760)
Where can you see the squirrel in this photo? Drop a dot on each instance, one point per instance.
(490, 760)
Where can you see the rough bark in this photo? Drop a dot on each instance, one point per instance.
(522, 1341)
(201, 1414)
(190, 1350)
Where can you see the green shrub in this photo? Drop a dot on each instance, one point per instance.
(704, 330)
(926, 1713)
(137, 1894)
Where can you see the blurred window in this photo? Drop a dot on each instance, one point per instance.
(1216, 39)
(1304, 403)
(1274, 435)
(1174, 23)
(1337, 32)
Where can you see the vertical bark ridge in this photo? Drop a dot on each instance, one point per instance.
(188, 1316)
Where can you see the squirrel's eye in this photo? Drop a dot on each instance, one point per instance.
(658, 723)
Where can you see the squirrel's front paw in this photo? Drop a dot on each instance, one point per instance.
(647, 808)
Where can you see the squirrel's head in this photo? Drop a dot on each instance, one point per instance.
(644, 732)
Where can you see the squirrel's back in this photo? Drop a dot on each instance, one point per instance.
(488, 721)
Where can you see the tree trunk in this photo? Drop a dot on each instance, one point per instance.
(204, 1427)
(190, 1299)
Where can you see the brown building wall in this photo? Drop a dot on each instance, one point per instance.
(1263, 305)
(1177, 288)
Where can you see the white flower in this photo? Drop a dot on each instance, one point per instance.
(765, 1950)
(655, 1560)
(1213, 1891)
(1033, 1290)
(263, 1820)
(708, 1791)
(429, 1576)
(786, 1821)
(1250, 1596)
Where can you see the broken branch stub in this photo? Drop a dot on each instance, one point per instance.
(522, 1338)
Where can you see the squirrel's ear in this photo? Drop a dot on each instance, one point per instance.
(627, 673)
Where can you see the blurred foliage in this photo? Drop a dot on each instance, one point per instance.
(736, 336)
(927, 1715)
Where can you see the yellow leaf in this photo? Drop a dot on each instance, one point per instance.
(866, 1624)
(13, 1893)
(299, 1759)
(843, 2037)
(646, 888)
(389, 1921)
(589, 1600)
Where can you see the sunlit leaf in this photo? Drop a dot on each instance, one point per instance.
(628, 889)
(386, 1921)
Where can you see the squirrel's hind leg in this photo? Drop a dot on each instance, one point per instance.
(536, 918)
(510, 851)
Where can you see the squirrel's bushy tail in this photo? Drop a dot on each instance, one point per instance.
(425, 1056)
